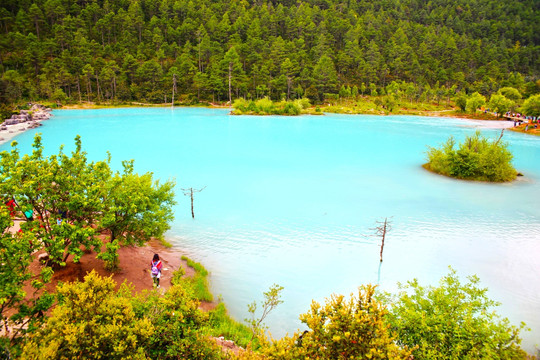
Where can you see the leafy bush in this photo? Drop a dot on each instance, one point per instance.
(240, 104)
(452, 321)
(178, 324)
(110, 255)
(303, 103)
(177, 275)
(476, 159)
(342, 329)
(91, 321)
(264, 105)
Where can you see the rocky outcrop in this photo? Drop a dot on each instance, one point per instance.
(37, 112)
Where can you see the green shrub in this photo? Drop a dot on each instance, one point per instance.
(178, 324)
(452, 321)
(110, 256)
(476, 158)
(291, 109)
(91, 321)
(343, 328)
(264, 105)
(303, 102)
(240, 104)
(177, 275)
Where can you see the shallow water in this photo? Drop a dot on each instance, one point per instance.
(293, 201)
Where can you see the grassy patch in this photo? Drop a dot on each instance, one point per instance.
(219, 321)
(199, 280)
(221, 324)
(165, 243)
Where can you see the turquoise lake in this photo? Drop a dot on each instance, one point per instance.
(293, 201)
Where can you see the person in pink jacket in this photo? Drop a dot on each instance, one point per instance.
(155, 270)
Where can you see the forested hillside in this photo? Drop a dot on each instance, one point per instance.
(129, 50)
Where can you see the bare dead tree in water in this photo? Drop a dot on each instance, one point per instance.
(381, 230)
(500, 137)
(189, 192)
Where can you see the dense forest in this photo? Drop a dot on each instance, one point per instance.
(140, 50)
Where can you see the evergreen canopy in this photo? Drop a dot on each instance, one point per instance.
(121, 50)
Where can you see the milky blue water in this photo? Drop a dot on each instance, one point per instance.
(294, 200)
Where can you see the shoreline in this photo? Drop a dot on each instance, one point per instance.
(6, 136)
(12, 131)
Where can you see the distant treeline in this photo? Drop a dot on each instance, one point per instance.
(139, 50)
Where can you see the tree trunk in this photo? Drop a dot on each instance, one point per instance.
(288, 88)
(230, 82)
(192, 212)
(173, 89)
(383, 235)
(89, 88)
(98, 87)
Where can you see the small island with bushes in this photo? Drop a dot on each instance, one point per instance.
(265, 106)
(477, 158)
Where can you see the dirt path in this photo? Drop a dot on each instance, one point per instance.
(134, 268)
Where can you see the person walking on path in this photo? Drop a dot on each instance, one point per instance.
(155, 270)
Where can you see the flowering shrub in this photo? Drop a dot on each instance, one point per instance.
(343, 328)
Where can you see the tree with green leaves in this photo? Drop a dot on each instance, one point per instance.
(454, 320)
(65, 52)
(136, 208)
(231, 62)
(500, 104)
(531, 106)
(59, 195)
(68, 200)
(510, 93)
(474, 102)
(19, 315)
(325, 76)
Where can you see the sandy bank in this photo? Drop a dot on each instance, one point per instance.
(7, 135)
(488, 124)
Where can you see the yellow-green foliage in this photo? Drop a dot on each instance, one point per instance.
(178, 324)
(452, 321)
(199, 280)
(221, 324)
(91, 321)
(343, 328)
(266, 106)
(381, 104)
(94, 321)
(476, 158)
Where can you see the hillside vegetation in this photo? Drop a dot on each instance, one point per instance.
(142, 50)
